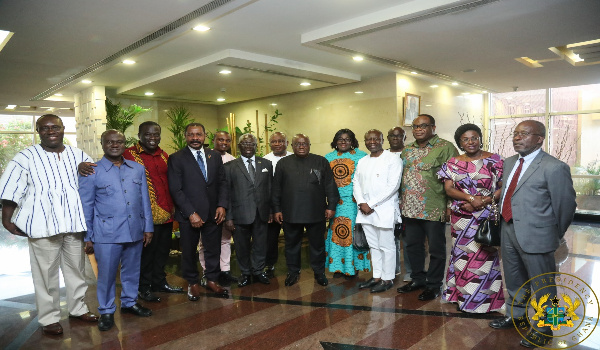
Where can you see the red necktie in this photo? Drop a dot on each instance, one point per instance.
(506, 205)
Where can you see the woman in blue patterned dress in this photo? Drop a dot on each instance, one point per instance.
(342, 258)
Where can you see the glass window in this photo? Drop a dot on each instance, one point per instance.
(575, 98)
(16, 123)
(518, 102)
(501, 136)
(10, 145)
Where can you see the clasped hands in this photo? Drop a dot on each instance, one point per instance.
(278, 217)
(365, 209)
(475, 205)
(197, 222)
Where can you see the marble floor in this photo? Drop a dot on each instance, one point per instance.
(304, 316)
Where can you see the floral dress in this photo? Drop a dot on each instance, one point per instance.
(473, 280)
(341, 255)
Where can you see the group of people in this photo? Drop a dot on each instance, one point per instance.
(122, 209)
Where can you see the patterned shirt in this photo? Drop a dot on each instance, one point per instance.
(423, 195)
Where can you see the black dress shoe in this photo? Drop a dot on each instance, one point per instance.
(270, 271)
(509, 322)
(225, 278)
(292, 278)
(137, 310)
(368, 283)
(382, 286)
(321, 279)
(535, 339)
(262, 278)
(351, 277)
(106, 322)
(430, 294)
(148, 296)
(244, 280)
(167, 288)
(410, 287)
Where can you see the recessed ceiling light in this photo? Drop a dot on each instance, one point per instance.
(484, 92)
(358, 58)
(11, 106)
(427, 105)
(225, 71)
(305, 83)
(59, 95)
(273, 104)
(86, 81)
(64, 108)
(220, 99)
(414, 73)
(433, 86)
(358, 92)
(454, 83)
(149, 93)
(202, 28)
(129, 61)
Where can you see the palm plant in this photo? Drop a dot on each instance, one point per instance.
(180, 117)
(121, 118)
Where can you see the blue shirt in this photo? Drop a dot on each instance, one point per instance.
(116, 203)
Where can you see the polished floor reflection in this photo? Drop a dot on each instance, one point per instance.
(304, 316)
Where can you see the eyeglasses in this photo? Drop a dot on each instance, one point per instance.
(301, 144)
(48, 128)
(472, 139)
(524, 133)
(421, 126)
(117, 142)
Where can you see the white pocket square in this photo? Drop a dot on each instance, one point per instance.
(265, 170)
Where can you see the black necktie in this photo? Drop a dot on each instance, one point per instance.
(251, 170)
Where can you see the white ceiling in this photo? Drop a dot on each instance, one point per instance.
(273, 45)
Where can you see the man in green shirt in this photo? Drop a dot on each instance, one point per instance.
(424, 204)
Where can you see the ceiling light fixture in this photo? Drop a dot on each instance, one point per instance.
(201, 28)
(11, 106)
(433, 86)
(484, 92)
(220, 99)
(414, 72)
(358, 58)
(358, 92)
(454, 83)
(305, 83)
(273, 104)
(59, 94)
(128, 61)
(225, 71)
(427, 105)
(149, 93)
(466, 93)
(86, 81)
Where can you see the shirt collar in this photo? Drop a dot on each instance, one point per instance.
(246, 159)
(528, 158)
(195, 151)
(107, 164)
(432, 141)
(139, 149)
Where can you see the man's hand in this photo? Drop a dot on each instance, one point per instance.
(365, 209)
(147, 238)
(468, 207)
(229, 225)
(448, 213)
(270, 219)
(220, 215)
(89, 248)
(278, 217)
(478, 203)
(329, 214)
(86, 168)
(14, 229)
(196, 220)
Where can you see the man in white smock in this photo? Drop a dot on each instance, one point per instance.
(376, 183)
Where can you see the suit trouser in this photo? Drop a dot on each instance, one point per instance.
(416, 232)
(108, 256)
(225, 257)
(154, 257)
(383, 251)
(400, 240)
(251, 246)
(45, 256)
(274, 228)
(211, 240)
(519, 267)
(293, 244)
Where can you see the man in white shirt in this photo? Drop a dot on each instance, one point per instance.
(279, 143)
(42, 182)
(376, 183)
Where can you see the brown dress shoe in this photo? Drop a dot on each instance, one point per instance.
(88, 317)
(53, 329)
(194, 292)
(216, 288)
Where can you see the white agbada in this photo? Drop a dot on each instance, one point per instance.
(376, 182)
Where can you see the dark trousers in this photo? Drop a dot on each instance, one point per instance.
(211, 240)
(416, 232)
(293, 242)
(273, 231)
(154, 257)
(519, 267)
(251, 246)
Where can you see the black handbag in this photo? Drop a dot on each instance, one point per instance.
(488, 232)
(359, 240)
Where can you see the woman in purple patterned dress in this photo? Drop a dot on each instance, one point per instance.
(473, 181)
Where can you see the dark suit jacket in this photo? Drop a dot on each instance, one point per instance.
(303, 188)
(543, 204)
(245, 197)
(190, 192)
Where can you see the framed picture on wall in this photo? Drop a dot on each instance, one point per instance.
(412, 108)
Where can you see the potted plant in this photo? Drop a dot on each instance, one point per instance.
(121, 118)
(180, 117)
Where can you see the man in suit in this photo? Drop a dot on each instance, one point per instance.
(249, 179)
(118, 217)
(304, 197)
(538, 204)
(199, 189)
